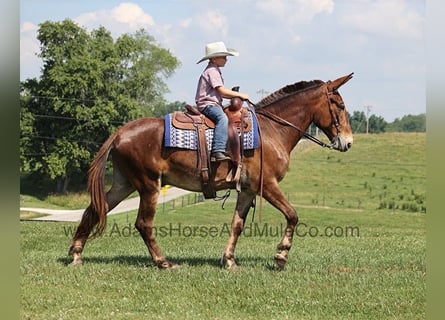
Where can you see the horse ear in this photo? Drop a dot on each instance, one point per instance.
(336, 84)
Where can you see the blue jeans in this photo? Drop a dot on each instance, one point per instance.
(217, 115)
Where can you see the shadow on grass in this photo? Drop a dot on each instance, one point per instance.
(145, 261)
(142, 261)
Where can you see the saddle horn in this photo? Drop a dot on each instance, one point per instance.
(235, 103)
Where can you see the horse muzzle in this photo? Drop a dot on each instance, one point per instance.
(342, 143)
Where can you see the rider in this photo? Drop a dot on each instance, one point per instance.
(210, 93)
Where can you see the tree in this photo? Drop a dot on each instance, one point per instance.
(357, 122)
(90, 84)
(168, 108)
(409, 123)
(377, 124)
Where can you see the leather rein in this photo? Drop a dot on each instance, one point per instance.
(305, 134)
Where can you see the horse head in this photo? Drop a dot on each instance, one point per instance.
(332, 117)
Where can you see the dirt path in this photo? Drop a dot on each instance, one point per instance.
(124, 206)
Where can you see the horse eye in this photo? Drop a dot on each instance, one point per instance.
(340, 104)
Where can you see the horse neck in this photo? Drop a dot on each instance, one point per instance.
(299, 110)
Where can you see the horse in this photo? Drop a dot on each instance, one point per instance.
(142, 163)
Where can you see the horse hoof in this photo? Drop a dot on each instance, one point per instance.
(280, 260)
(232, 267)
(174, 266)
(167, 265)
(229, 264)
(76, 262)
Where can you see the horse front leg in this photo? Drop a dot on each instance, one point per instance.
(273, 195)
(243, 204)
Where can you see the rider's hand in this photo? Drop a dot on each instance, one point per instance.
(244, 96)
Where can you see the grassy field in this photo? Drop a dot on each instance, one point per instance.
(359, 251)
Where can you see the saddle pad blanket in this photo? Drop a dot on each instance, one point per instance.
(188, 139)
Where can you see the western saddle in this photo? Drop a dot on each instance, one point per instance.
(239, 121)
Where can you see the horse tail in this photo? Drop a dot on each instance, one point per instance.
(96, 185)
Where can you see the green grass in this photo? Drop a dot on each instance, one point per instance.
(380, 171)
(376, 272)
(73, 200)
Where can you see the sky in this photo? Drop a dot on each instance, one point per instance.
(279, 42)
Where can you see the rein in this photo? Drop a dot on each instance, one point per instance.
(287, 123)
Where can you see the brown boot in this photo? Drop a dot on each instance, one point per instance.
(218, 156)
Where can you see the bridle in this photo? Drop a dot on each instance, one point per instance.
(308, 136)
(331, 110)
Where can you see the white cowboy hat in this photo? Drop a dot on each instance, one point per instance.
(218, 49)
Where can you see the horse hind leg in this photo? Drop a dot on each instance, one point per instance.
(87, 223)
(145, 225)
(120, 190)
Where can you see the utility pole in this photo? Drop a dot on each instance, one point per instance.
(262, 92)
(368, 110)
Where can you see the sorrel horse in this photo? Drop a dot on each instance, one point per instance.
(142, 163)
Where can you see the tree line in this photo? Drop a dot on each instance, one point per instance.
(91, 84)
(377, 124)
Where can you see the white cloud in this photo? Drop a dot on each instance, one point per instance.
(287, 21)
(88, 18)
(313, 7)
(28, 27)
(132, 15)
(272, 7)
(185, 23)
(296, 11)
(296, 39)
(126, 17)
(390, 18)
(214, 22)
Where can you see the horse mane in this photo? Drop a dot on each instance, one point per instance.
(287, 91)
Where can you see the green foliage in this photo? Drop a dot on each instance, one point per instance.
(90, 85)
(408, 123)
(377, 124)
(358, 121)
(168, 108)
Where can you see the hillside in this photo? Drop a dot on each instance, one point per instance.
(380, 171)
